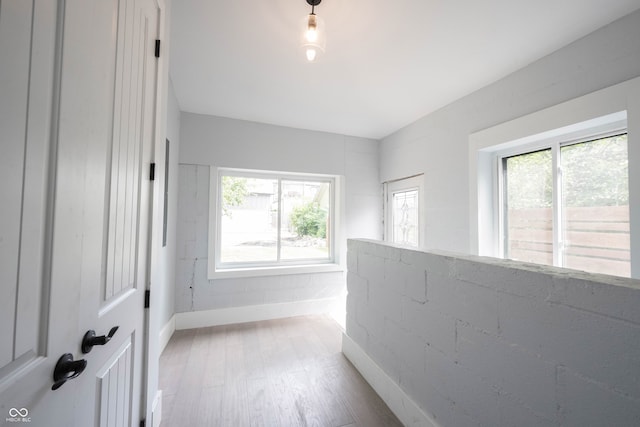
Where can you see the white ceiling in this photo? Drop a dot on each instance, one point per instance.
(387, 62)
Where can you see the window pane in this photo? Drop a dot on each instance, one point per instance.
(305, 220)
(595, 211)
(528, 183)
(405, 217)
(249, 220)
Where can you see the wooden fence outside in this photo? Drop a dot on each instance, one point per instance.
(596, 239)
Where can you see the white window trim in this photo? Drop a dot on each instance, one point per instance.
(588, 113)
(332, 264)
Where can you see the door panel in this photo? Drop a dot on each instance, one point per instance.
(15, 19)
(114, 384)
(117, 205)
(77, 96)
(27, 354)
(23, 176)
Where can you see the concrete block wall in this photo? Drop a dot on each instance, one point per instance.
(484, 342)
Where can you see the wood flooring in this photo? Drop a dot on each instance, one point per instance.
(276, 373)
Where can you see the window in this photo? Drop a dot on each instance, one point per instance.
(269, 219)
(403, 205)
(607, 112)
(567, 204)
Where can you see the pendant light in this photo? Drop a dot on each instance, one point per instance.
(313, 36)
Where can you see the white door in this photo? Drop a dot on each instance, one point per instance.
(404, 211)
(77, 99)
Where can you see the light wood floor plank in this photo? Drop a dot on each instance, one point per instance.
(275, 373)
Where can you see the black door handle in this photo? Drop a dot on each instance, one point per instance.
(90, 339)
(67, 369)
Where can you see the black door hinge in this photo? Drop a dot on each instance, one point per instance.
(152, 172)
(157, 52)
(147, 298)
(143, 423)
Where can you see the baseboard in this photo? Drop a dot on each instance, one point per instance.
(253, 313)
(156, 410)
(166, 332)
(398, 401)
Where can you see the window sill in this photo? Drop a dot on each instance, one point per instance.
(230, 273)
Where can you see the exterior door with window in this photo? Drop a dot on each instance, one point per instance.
(404, 211)
(77, 93)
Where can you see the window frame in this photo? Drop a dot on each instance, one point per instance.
(219, 269)
(619, 102)
(555, 145)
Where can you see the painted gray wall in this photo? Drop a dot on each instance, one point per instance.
(438, 144)
(208, 141)
(479, 341)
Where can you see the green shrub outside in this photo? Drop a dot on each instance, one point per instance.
(309, 220)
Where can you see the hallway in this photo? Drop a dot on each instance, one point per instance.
(286, 372)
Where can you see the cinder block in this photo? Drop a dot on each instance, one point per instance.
(529, 379)
(514, 414)
(202, 243)
(356, 332)
(438, 265)
(202, 186)
(357, 286)
(351, 305)
(370, 267)
(465, 301)
(187, 230)
(476, 399)
(374, 248)
(441, 372)
(352, 261)
(409, 347)
(428, 397)
(615, 299)
(383, 300)
(416, 283)
(507, 276)
(436, 328)
(186, 250)
(226, 287)
(371, 319)
(414, 257)
(591, 404)
(273, 296)
(595, 346)
(384, 357)
(257, 298)
(471, 397)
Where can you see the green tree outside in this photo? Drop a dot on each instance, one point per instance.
(309, 220)
(594, 173)
(234, 192)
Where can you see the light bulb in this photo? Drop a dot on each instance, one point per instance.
(311, 54)
(312, 35)
(312, 29)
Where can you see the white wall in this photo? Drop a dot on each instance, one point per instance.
(437, 145)
(206, 142)
(458, 341)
